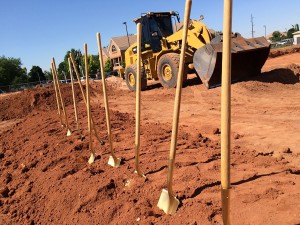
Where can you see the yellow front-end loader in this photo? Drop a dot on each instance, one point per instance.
(161, 45)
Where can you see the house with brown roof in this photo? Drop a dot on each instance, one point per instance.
(105, 54)
(117, 48)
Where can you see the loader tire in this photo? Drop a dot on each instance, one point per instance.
(130, 77)
(167, 70)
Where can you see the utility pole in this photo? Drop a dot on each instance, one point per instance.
(127, 33)
(265, 30)
(252, 31)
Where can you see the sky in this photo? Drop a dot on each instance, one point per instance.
(37, 30)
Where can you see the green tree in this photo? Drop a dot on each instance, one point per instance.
(20, 79)
(77, 58)
(290, 33)
(63, 68)
(108, 65)
(36, 74)
(94, 64)
(11, 71)
(292, 30)
(48, 75)
(276, 36)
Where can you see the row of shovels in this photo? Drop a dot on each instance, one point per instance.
(167, 201)
(113, 160)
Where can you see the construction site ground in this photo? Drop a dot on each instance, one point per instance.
(45, 177)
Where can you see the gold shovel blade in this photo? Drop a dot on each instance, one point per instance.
(167, 203)
(114, 162)
(139, 173)
(92, 158)
(69, 133)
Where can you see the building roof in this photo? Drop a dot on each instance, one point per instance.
(122, 41)
(105, 51)
(297, 32)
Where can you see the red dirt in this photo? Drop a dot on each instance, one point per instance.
(283, 51)
(45, 178)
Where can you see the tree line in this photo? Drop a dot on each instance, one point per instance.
(278, 36)
(12, 72)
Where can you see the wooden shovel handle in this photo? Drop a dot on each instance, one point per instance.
(108, 124)
(56, 94)
(226, 112)
(138, 88)
(88, 107)
(83, 95)
(226, 95)
(78, 77)
(73, 93)
(178, 95)
(60, 95)
(138, 100)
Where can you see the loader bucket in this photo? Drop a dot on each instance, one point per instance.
(248, 57)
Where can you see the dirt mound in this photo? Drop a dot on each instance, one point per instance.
(296, 70)
(284, 51)
(43, 98)
(289, 75)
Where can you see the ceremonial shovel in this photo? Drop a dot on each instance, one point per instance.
(167, 201)
(113, 160)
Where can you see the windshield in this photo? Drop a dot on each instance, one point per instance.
(163, 25)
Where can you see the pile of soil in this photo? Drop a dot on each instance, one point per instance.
(20, 104)
(45, 177)
(284, 51)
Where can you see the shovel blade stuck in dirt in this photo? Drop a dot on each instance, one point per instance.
(92, 158)
(69, 133)
(88, 106)
(167, 202)
(113, 161)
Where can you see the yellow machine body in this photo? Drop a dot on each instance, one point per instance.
(161, 44)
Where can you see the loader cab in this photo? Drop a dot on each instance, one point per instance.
(155, 26)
